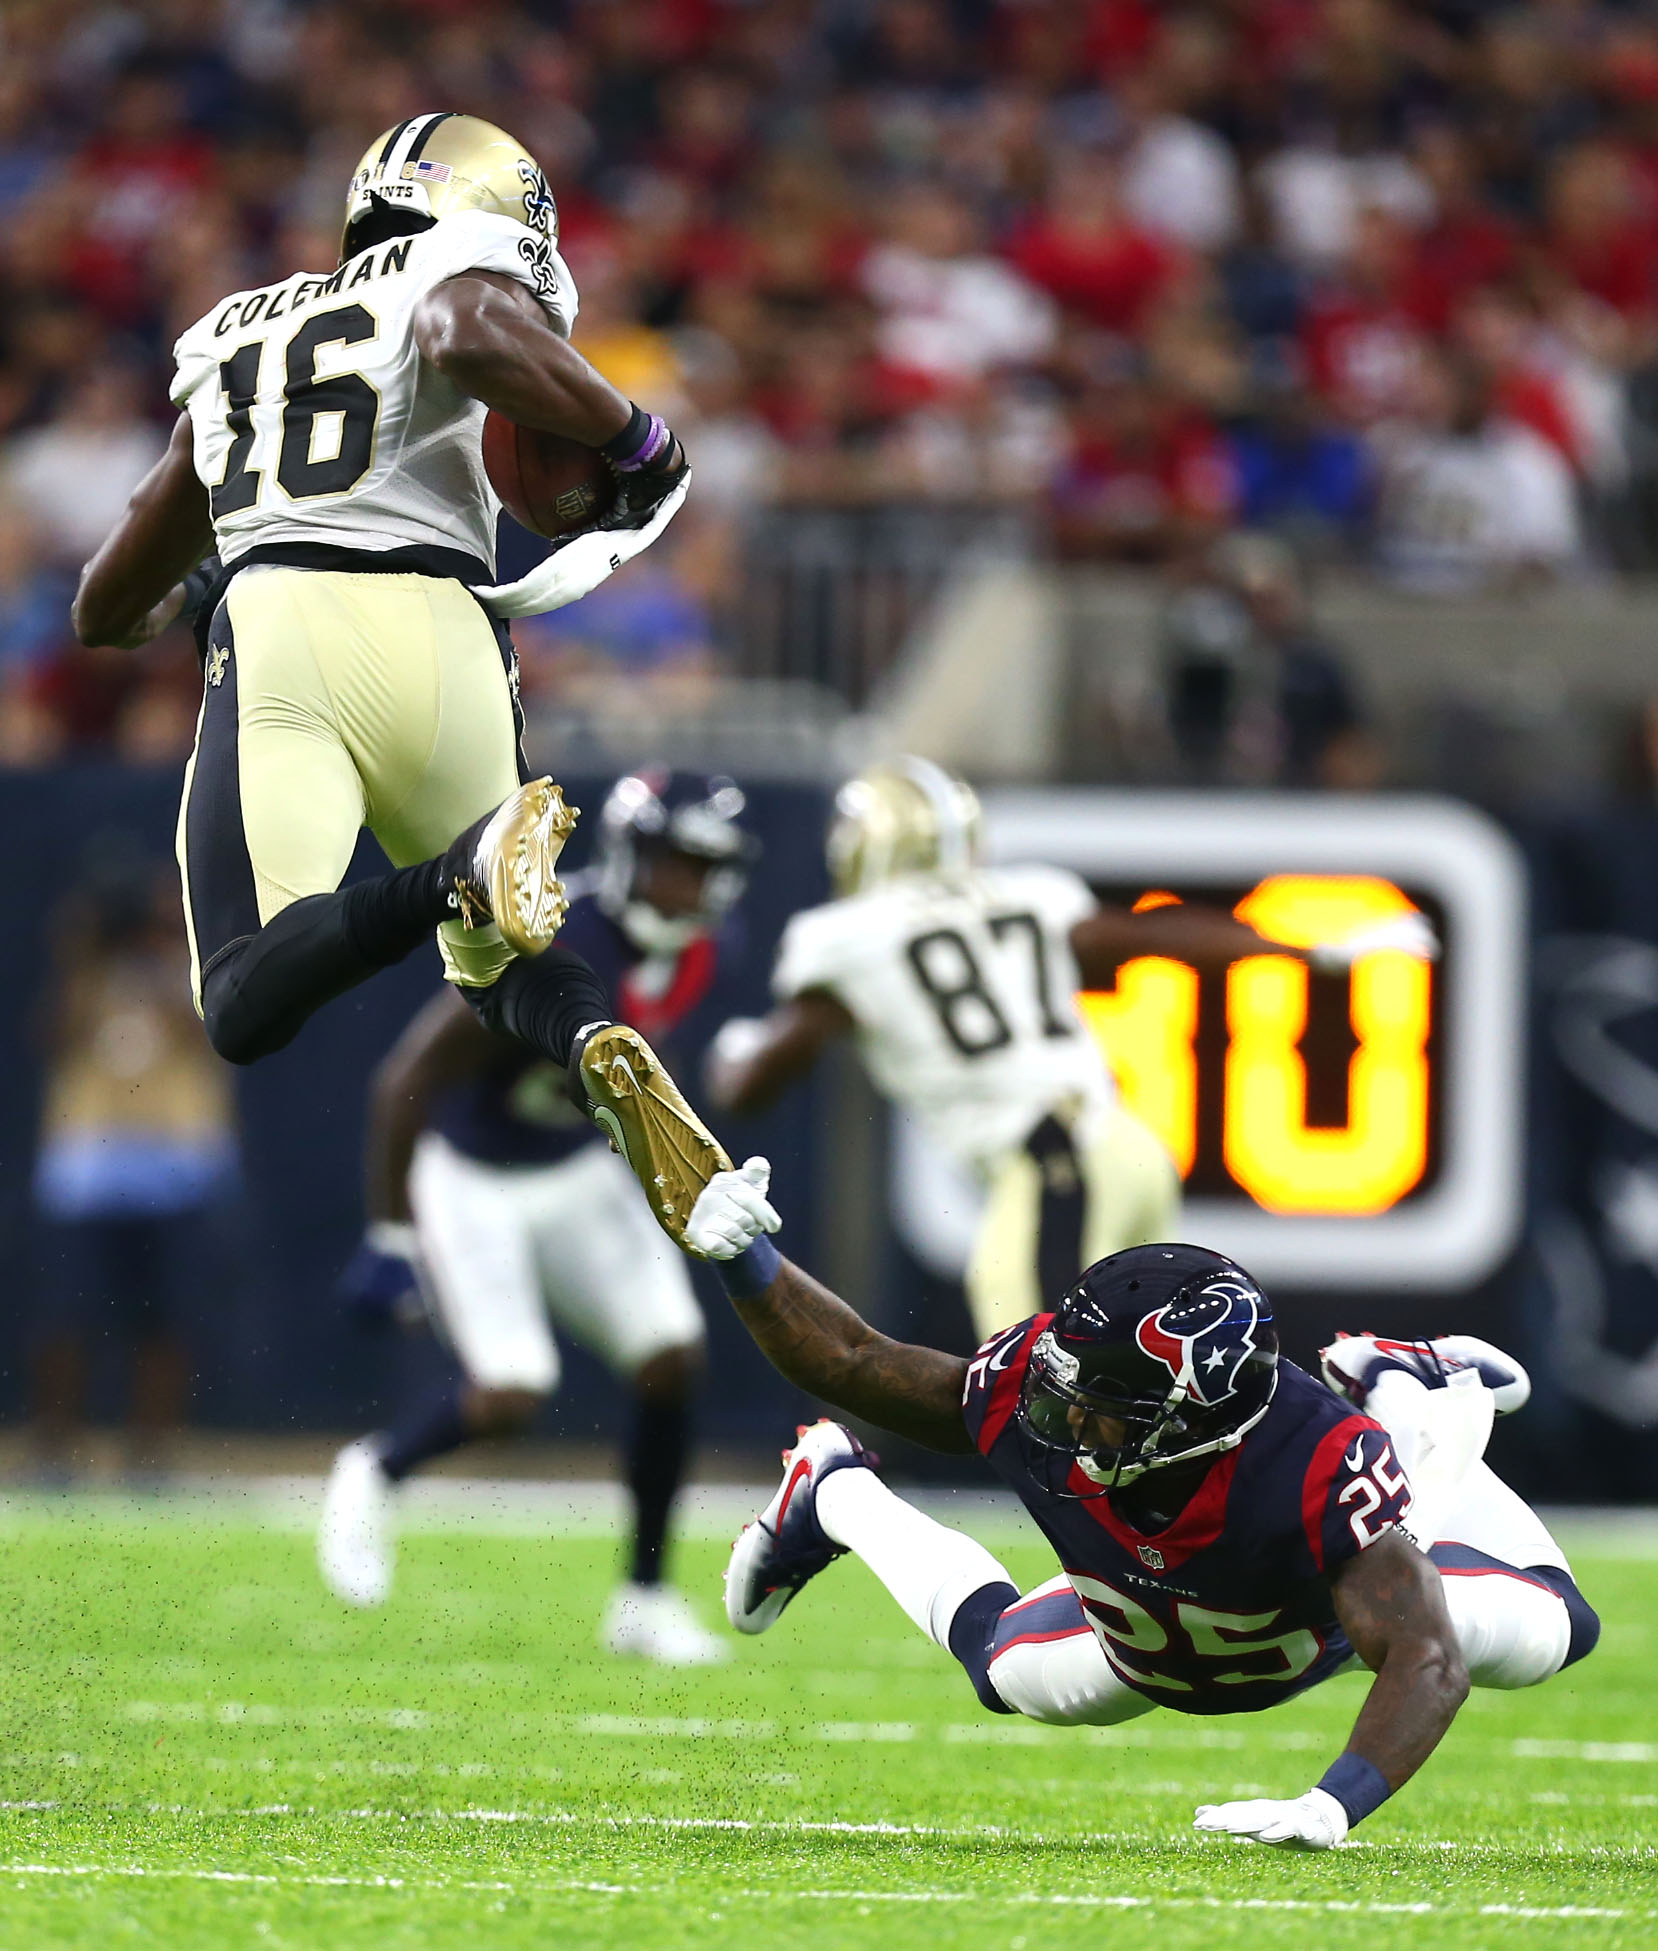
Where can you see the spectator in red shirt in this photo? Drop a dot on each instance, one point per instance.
(1594, 232)
(1083, 249)
(1467, 245)
(1148, 478)
(1360, 340)
(131, 182)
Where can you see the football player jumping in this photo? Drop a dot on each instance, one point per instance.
(959, 981)
(490, 1190)
(1231, 1530)
(330, 445)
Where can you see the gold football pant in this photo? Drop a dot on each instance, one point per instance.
(333, 701)
(1056, 1205)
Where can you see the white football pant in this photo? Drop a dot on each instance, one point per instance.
(1049, 1666)
(509, 1251)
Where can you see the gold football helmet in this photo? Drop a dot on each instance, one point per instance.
(906, 817)
(433, 166)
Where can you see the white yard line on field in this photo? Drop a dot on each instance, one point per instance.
(699, 1727)
(1184, 1845)
(1587, 1913)
(580, 1507)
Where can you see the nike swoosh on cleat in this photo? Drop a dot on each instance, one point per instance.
(802, 1469)
(1355, 1459)
(608, 1122)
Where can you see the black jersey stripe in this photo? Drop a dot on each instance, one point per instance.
(417, 148)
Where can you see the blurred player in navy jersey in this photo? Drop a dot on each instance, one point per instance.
(1231, 1530)
(491, 1190)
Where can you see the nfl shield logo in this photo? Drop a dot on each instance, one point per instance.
(1152, 1557)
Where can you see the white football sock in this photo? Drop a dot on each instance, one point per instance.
(928, 1568)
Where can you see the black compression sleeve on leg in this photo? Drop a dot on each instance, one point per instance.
(543, 1000)
(257, 997)
(390, 916)
(657, 1450)
(972, 1633)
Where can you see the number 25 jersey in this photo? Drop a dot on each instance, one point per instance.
(1227, 1610)
(964, 994)
(315, 418)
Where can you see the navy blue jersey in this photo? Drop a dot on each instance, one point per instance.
(1228, 1610)
(514, 1109)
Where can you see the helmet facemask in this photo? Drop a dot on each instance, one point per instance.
(1059, 1412)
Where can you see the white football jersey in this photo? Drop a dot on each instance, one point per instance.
(964, 994)
(317, 421)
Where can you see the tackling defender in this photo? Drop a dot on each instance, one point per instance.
(1232, 1532)
(329, 445)
(489, 1190)
(959, 982)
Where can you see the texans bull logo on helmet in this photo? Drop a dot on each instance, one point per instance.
(1204, 1339)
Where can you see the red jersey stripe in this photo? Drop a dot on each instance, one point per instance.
(1004, 1391)
(1321, 1474)
(693, 977)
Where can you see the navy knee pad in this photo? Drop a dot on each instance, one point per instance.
(1585, 1621)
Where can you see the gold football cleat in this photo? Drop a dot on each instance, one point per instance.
(503, 867)
(669, 1149)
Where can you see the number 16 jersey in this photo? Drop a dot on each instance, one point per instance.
(315, 418)
(964, 993)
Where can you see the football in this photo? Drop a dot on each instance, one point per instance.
(551, 485)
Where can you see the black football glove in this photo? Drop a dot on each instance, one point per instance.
(640, 493)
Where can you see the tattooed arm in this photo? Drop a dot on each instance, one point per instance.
(821, 1345)
(1391, 1604)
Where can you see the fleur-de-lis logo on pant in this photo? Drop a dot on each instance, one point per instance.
(218, 662)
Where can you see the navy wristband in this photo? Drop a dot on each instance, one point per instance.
(1358, 1785)
(748, 1276)
(644, 440)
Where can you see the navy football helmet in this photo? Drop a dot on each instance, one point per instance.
(675, 812)
(1158, 1355)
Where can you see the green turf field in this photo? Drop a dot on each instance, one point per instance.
(202, 1750)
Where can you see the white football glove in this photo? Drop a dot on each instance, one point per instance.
(577, 567)
(732, 1211)
(1315, 1820)
(1409, 934)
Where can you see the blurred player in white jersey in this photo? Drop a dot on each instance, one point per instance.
(959, 982)
(329, 447)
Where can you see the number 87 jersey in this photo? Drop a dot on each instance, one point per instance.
(317, 422)
(1228, 1609)
(963, 988)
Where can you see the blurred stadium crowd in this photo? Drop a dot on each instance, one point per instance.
(1378, 277)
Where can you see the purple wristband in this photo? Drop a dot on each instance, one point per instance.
(1358, 1785)
(640, 442)
(748, 1276)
